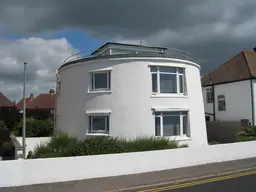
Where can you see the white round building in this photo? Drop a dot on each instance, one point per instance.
(131, 91)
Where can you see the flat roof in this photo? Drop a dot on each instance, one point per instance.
(123, 44)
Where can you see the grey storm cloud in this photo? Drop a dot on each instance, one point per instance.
(212, 30)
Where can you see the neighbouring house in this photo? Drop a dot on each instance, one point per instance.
(20, 104)
(229, 91)
(41, 106)
(7, 110)
(124, 90)
(5, 102)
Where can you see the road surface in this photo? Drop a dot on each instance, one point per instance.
(242, 182)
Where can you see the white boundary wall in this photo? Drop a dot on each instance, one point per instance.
(27, 172)
(32, 142)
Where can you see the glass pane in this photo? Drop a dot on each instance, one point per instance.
(221, 97)
(100, 80)
(171, 113)
(157, 126)
(168, 69)
(185, 125)
(222, 105)
(181, 70)
(98, 123)
(168, 83)
(171, 125)
(153, 69)
(154, 82)
(181, 84)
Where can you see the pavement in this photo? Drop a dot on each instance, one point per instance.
(149, 181)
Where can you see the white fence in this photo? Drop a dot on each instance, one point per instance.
(32, 142)
(27, 172)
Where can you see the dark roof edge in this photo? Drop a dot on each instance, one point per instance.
(226, 82)
(248, 64)
(131, 45)
(119, 56)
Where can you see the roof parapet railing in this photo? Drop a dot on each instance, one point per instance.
(170, 52)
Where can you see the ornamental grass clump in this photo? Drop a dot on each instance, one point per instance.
(63, 145)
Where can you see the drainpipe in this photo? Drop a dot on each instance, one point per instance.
(55, 107)
(213, 102)
(252, 101)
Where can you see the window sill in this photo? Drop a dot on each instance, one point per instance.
(168, 96)
(99, 91)
(97, 134)
(177, 138)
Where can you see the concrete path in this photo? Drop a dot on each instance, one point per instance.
(134, 182)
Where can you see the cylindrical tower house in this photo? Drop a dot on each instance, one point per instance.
(132, 91)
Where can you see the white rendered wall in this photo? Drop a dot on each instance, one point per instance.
(32, 142)
(238, 101)
(130, 101)
(254, 99)
(36, 171)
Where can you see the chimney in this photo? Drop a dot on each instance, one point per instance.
(254, 49)
(51, 91)
(31, 97)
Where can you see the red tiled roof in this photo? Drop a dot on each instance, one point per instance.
(43, 101)
(240, 67)
(20, 104)
(4, 101)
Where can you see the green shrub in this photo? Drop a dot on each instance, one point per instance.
(247, 134)
(2, 125)
(62, 145)
(36, 128)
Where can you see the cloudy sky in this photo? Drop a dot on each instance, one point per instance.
(43, 33)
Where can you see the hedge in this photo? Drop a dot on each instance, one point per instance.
(35, 128)
(63, 145)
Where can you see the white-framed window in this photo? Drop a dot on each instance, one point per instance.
(168, 80)
(221, 102)
(99, 124)
(101, 80)
(209, 95)
(174, 123)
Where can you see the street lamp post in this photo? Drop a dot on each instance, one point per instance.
(24, 114)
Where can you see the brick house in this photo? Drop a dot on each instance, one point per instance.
(41, 106)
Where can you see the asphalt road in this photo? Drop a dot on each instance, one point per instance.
(238, 184)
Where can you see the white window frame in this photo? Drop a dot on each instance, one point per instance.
(162, 114)
(177, 73)
(108, 73)
(223, 98)
(106, 118)
(209, 91)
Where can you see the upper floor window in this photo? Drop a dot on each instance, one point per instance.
(209, 95)
(221, 103)
(168, 80)
(171, 123)
(101, 80)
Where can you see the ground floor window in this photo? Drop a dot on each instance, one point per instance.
(171, 123)
(99, 124)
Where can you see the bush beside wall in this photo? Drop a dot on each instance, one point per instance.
(63, 145)
(35, 128)
(247, 134)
